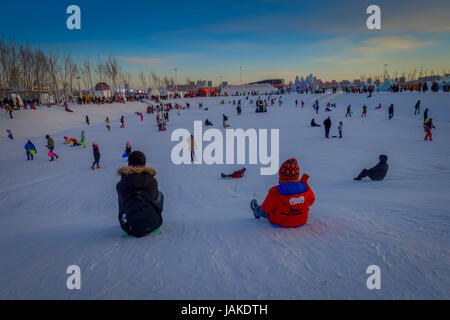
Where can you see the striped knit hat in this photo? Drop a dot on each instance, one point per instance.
(289, 171)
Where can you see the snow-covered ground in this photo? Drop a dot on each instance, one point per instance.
(56, 214)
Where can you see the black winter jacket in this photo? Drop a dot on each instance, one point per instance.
(380, 170)
(96, 153)
(137, 190)
(327, 123)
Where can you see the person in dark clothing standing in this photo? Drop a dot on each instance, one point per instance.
(327, 125)
(87, 121)
(364, 113)
(96, 152)
(417, 108)
(122, 121)
(140, 201)
(239, 109)
(391, 111)
(376, 173)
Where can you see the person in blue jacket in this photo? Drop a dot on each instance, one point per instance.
(30, 149)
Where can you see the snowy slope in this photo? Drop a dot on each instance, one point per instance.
(57, 214)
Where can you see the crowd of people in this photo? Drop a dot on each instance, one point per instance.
(141, 203)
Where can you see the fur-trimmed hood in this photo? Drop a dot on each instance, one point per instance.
(131, 170)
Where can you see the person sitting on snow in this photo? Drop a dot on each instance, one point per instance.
(208, 123)
(287, 204)
(235, 175)
(140, 201)
(376, 173)
(314, 124)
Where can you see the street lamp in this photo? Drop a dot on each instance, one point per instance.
(176, 69)
(241, 74)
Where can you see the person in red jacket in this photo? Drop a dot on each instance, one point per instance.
(428, 126)
(287, 204)
(235, 175)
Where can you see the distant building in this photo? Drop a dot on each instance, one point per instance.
(277, 83)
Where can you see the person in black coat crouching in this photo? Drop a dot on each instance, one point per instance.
(376, 173)
(140, 201)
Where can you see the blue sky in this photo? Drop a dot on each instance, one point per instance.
(269, 38)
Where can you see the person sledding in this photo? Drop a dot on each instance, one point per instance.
(287, 204)
(235, 175)
(140, 201)
(314, 124)
(377, 172)
(30, 149)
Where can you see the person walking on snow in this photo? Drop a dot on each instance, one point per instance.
(87, 121)
(30, 150)
(50, 147)
(122, 121)
(349, 111)
(327, 125)
(427, 127)
(96, 152)
(287, 204)
(417, 108)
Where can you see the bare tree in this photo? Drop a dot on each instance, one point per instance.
(53, 70)
(143, 80)
(112, 70)
(87, 75)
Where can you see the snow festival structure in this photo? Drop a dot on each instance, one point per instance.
(386, 86)
(153, 93)
(102, 90)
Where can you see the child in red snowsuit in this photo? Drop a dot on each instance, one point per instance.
(235, 175)
(428, 126)
(287, 204)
